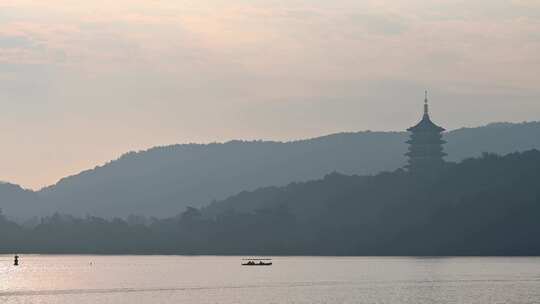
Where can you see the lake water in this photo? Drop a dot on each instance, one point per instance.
(180, 279)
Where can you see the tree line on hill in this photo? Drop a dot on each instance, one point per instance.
(488, 205)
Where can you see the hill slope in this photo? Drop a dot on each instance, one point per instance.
(482, 206)
(164, 180)
(18, 202)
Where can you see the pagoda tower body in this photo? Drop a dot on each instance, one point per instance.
(426, 144)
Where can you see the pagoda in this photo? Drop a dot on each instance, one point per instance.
(426, 144)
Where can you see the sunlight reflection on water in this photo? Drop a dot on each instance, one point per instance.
(214, 279)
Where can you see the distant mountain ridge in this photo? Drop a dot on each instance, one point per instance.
(18, 202)
(164, 180)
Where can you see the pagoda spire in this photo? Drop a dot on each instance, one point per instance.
(426, 106)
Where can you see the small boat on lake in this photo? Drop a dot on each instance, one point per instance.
(257, 262)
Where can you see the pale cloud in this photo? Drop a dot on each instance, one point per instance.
(15, 41)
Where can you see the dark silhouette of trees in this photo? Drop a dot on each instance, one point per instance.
(488, 205)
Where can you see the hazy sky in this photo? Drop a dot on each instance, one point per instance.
(82, 82)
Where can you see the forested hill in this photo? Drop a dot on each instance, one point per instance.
(483, 206)
(164, 180)
(480, 206)
(19, 202)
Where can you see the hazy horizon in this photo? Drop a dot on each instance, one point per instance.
(82, 83)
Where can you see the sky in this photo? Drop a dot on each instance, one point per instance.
(82, 82)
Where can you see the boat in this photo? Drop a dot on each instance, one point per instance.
(257, 262)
